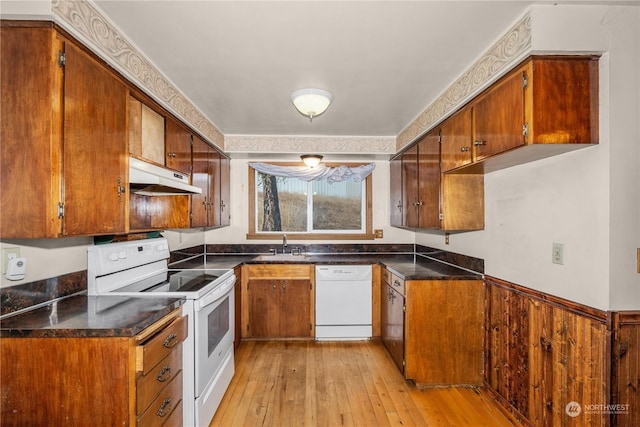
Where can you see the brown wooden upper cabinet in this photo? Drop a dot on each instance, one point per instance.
(64, 138)
(421, 182)
(178, 141)
(396, 192)
(146, 132)
(211, 173)
(456, 140)
(547, 105)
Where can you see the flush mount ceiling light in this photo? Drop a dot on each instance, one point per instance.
(311, 160)
(311, 102)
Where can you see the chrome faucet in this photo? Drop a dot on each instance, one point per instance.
(284, 243)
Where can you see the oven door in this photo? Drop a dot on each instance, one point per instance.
(214, 330)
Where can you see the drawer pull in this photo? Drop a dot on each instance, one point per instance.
(165, 374)
(396, 283)
(171, 341)
(165, 408)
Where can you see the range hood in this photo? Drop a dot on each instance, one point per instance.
(148, 179)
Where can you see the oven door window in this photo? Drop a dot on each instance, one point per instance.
(218, 322)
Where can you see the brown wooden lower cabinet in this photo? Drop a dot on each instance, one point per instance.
(433, 329)
(553, 362)
(278, 301)
(123, 381)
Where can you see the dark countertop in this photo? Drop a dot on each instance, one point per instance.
(402, 265)
(89, 316)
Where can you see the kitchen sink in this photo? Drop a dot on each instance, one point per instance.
(283, 257)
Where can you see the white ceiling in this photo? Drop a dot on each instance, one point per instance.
(383, 61)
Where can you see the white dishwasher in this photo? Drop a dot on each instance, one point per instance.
(343, 302)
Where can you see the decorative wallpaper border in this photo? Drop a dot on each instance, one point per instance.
(305, 144)
(499, 59)
(83, 20)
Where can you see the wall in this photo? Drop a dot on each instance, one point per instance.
(236, 233)
(589, 200)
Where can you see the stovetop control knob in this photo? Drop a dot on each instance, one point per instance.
(122, 254)
(113, 256)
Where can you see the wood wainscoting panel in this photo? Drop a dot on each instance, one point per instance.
(625, 369)
(543, 353)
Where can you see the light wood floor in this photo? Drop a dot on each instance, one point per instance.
(309, 383)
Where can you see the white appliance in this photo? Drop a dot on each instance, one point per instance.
(140, 268)
(343, 302)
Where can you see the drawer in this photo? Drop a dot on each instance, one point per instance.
(386, 276)
(163, 406)
(280, 271)
(175, 417)
(397, 284)
(149, 386)
(158, 346)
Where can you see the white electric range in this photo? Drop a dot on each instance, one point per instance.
(140, 268)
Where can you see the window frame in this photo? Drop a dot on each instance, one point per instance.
(368, 216)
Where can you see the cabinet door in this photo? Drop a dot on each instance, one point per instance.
(395, 326)
(214, 188)
(568, 119)
(498, 117)
(295, 318)
(200, 179)
(410, 187)
(396, 208)
(31, 132)
(95, 147)
(225, 191)
(429, 181)
(456, 140)
(177, 147)
(264, 308)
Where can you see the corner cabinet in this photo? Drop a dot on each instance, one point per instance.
(278, 301)
(64, 138)
(124, 381)
(433, 329)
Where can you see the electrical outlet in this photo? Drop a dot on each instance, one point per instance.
(557, 253)
(6, 254)
(379, 234)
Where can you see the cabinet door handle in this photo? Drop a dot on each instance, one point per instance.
(172, 154)
(479, 143)
(165, 408)
(464, 149)
(171, 341)
(284, 286)
(396, 283)
(165, 374)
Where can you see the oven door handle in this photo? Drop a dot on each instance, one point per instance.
(217, 294)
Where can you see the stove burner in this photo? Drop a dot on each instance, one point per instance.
(187, 283)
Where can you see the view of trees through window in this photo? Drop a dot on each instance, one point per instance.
(294, 205)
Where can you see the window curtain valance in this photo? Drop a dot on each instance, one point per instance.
(320, 172)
